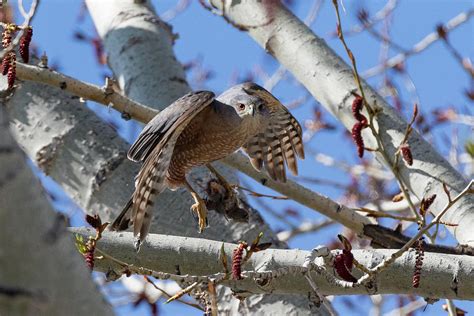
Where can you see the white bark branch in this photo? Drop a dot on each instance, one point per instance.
(41, 271)
(104, 95)
(329, 79)
(443, 276)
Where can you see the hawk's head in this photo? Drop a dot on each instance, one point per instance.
(250, 101)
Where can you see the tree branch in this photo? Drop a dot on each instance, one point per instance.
(198, 259)
(106, 95)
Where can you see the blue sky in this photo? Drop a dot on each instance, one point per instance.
(439, 79)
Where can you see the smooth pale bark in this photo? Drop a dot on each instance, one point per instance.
(41, 272)
(442, 276)
(329, 79)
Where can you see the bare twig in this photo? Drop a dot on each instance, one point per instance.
(421, 45)
(256, 194)
(465, 63)
(169, 295)
(304, 228)
(374, 213)
(372, 113)
(182, 292)
(384, 264)
(408, 308)
(28, 16)
(379, 16)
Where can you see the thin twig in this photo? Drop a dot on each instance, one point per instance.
(381, 15)
(169, 295)
(256, 194)
(465, 63)
(372, 113)
(374, 213)
(304, 228)
(384, 264)
(426, 42)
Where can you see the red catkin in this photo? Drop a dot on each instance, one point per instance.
(348, 259)
(6, 38)
(357, 137)
(357, 106)
(6, 63)
(11, 74)
(426, 203)
(361, 123)
(406, 154)
(342, 269)
(420, 253)
(237, 261)
(25, 44)
(89, 257)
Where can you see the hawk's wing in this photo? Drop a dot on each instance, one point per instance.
(278, 143)
(155, 146)
(182, 109)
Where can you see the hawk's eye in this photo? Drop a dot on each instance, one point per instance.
(260, 107)
(241, 106)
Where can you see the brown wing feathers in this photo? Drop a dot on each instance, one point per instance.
(280, 143)
(150, 182)
(155, 147)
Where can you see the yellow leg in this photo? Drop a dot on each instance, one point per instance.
(222, 180)
(199, 208)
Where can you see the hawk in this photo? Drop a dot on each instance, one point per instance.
(199, 128)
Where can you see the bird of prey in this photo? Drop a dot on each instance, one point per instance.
(197, 129)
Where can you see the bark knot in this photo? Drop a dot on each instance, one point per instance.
(46, 155)
(106, 167)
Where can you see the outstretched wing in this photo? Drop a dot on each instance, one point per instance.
(279, 143)
(155, 147)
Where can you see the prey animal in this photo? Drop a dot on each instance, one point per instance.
(199, 128)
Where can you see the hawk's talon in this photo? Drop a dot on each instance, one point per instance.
(194, 214)
(199, 210)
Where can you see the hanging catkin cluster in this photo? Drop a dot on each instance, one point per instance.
(9, 60)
